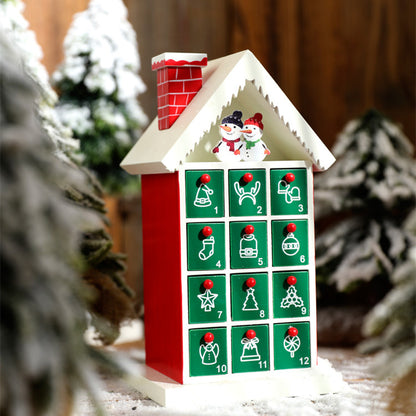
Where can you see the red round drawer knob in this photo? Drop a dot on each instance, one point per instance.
(292, 331)
(249, 229)
(291, 227)
(247, 177)
(291, 280)
(251, 282)
(207, 231)
(208, 284)
(250, 334)
(289, 177)
(209, 337)
(205, 178)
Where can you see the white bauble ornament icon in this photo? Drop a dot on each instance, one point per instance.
(290, 245)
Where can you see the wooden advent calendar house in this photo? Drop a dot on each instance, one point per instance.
(229, 272)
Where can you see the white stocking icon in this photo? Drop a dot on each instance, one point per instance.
(207, 248)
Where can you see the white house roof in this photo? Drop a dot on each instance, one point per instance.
(236, 81)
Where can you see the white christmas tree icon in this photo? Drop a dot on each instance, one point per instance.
(250, 303)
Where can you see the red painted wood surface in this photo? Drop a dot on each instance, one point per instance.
(162, 274)
(176, 87)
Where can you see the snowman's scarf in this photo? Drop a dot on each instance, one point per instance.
(250, 144)
(230, 143)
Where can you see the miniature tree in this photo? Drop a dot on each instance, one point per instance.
(371, 189)
(390, 328)
(371, 239)
(98, 85)
(105, 269)
(14, 23)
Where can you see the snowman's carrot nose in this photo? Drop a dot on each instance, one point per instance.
(226, 128)
(247, 131)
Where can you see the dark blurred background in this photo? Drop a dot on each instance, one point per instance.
(334, 59)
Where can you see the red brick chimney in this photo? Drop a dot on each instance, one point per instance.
(179, 78)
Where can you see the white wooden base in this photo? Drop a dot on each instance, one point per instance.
(321, 379)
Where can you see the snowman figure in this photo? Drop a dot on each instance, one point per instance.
(252, 147)
(230, 130)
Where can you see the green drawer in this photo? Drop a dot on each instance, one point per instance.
(207, 351)
(247, 191)
(204, 190)
(290, 248)
(250, 348)
(249, 296)
(292, 349)
(288, 192)
(248, 249)
(206, 299)
(206, 251)
(290, 294)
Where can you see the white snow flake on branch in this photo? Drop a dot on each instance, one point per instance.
(102, 35)
(99, 75)
(75, 117)
(13, 23)
(373, 185)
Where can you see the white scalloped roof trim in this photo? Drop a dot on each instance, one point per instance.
(223, 80)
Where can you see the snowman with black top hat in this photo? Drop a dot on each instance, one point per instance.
(230, 130)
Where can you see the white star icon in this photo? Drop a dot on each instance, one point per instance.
(207, 300)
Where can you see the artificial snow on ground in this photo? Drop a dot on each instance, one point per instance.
(364, 396)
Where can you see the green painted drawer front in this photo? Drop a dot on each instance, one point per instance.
(250, 353)
(206, 299)
(204, 194)
(206, 253)
(247, 198)
(290, 248)
(292, 351)
(248, 250)
(207, 358)
(290, 294)
(249, 296)
(288, 191)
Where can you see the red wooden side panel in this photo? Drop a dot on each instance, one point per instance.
(162, 274)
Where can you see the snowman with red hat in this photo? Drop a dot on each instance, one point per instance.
(253, 148)
(230, 130)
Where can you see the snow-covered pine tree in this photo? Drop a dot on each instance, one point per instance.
(13, 23)
(98, 85)
(44, 358)
(371, 189)
(105, 269)
(390, 328)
